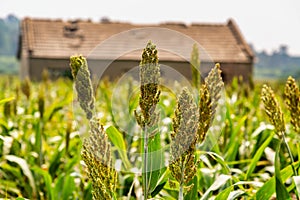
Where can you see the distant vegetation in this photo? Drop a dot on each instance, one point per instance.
(9, 38)
(277, 65)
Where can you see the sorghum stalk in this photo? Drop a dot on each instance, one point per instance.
(96, 151)
(41, 123)
(149, 97)
(183, 165)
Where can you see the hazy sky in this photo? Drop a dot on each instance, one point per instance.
(265, 23)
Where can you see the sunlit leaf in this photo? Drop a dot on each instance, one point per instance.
(25, 168)
(117, 139)
(2, 101)
(219, 182)
(258, 155)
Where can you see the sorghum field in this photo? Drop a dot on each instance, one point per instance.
(71, 139)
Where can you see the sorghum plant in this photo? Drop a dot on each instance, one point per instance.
(276, 117)
(96, 151)
(149, 97)
(191, 125)
(183, 165)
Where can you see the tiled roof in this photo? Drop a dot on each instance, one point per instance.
(60, 39)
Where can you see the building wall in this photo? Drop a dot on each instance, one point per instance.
(55, 67)
(117, 69)
(24, 65)
(230, 71)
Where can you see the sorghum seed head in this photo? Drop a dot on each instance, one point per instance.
(272, 109)
(149, 81)
(184, 138)
(292, 100)
(83, 84)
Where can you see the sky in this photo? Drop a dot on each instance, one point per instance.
(266, 24)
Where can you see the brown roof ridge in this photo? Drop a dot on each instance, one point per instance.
(207, 24)
(174, 23)
(37, 19)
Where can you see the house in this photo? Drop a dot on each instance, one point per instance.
(113, 48)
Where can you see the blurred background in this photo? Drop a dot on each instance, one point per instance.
(271, 28)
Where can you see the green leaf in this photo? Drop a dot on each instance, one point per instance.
(224, 194)
(69, 187)
(2, 101)
(297, 183)
(56, 161)
(158, 188)
(281, 191)
(25, 168)
(193, 194)
(233, 145)
(64, 187)
(48, 181)
(220, 160)
(257, 155)
(38, 141)
(88, 192)
(155, 162)
(219, 182)
(9, 186)
(268, 189)
(235, 194)
(227, 194)
(117, 139)
(55, 107)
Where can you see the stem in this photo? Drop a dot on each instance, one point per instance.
(292, 161)
(180, 195)
(145, 163)
(290, 154)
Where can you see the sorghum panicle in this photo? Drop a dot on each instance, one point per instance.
(149, 81)
(210, 93)
(41, 101)
(205, 112)
(292, 100)
(272, 109)
(83, 84)
(25, 87)
(96, 151)
(184, 137)
(96, 154)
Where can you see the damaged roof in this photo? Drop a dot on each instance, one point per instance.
(58, 39)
